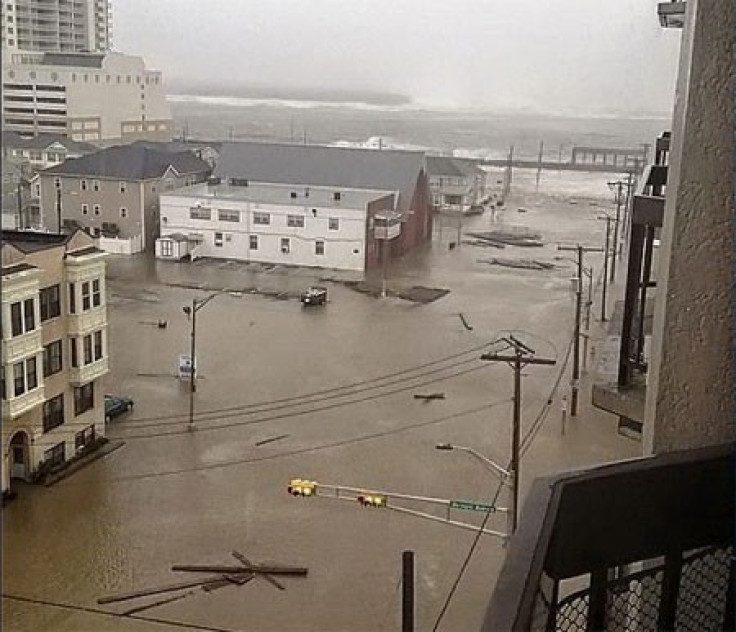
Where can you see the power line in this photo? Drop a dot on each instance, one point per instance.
(115, 615)
(317, 448)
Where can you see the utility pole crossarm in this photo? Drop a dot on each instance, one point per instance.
(512, 358)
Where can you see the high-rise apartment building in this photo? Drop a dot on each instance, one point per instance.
(65, 26)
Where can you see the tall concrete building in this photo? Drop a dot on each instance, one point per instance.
(65, 26)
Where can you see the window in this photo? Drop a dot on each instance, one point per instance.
(123, 187)
(86, 298)
(83, 185)
(167, 248)
(228, 216)
(72, 299)
(55, 455)
(16, 319)
(85, 209)
(84, 437)
(200, 212)
(123, 212)
(98, 345)
(285, 245)
(2, 383)
(336, 196)
(87, 347)
(218, 239)
(52, 360)
(334, 223)
(95, 185)
(96, 294)
(31, 374)
(73, 352)
(29, 315)
(19, 378)
(53, 412)
(262, 218)
(295, 221)
(253, 242)
(50, 302)
(319, 247)
(96, 208)
(25, 376)
(84, 398)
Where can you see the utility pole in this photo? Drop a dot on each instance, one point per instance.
(581, 250)
(58, 208)
(605, 267)
(522, 356)
(407, 592)
(539, 164)
(619, 186)
(19, 193)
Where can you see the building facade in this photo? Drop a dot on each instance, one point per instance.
(57, 25)
(114, 193)
(455, 184)
(54, 329)
(90, 97)
(326, 227)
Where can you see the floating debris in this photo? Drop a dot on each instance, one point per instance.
(522, 239)
(467, 325)
(521, 264)
(429, 397)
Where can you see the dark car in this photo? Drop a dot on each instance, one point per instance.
(315, 295)
(116, 406)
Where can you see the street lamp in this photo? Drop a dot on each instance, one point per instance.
(493, 467)
(191, 313)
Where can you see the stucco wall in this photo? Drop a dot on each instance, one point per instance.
(689, 395)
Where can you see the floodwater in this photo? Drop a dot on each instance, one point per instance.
(325, 394)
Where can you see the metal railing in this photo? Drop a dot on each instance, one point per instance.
(643, 545)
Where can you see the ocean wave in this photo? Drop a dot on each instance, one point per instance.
(297, 104)
(380, 142)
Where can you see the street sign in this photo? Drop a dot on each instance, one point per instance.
(469, 505)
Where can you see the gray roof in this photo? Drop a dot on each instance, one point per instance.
(450, 166)
(130, 162)
(43, 141)
(31, 241)
(313, 165)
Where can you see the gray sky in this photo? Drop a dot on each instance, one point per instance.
(549, 55)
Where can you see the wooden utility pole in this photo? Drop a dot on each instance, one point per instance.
(618, 185)
(407, 592)
(581, 250)
(605, 268)
(522, 356)
(58, 208)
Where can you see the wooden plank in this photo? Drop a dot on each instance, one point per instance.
(160, 602)
(246, 562)
(145, 592)
(270, 570)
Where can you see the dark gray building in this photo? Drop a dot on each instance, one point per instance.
(114, 193)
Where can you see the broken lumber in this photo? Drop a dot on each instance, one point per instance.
(226, 570)
(429, 396)
(246, 562)
(146, 592)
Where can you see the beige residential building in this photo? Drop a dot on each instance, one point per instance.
(54, 351)
(57, 25)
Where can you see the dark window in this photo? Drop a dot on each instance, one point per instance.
(73, 349)
(2, 382)
(254, 242)
(50, 303)
(31, 374)
(16, 319)
(55, 455)
(337, 196)
(52, 360)
(85, 296)
(84, 398)
(72, 299)
(19, 379)
(53, 412)
(319, 247)
(29, 316)
(334, 223)
(87, 349)
(96, 298)
(84, 437)
(98, 345)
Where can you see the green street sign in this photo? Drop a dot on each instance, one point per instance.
(469, 505)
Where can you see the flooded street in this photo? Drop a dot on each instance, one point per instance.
(325, 394)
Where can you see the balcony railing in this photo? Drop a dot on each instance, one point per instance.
(639, 545)
(85, 374)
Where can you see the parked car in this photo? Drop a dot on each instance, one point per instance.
(116, 406)
(315, 295)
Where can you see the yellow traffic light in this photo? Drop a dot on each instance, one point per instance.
(299, 487)
(372, 500)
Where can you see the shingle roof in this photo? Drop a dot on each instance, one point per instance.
(43, 141)
(323, 166)
(31, 241)
(449, 166)
(130, 162)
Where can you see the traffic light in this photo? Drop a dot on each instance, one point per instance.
(298, 487)
(372, 500)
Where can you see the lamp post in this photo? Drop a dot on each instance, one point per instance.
(191, 313)
(492, 466)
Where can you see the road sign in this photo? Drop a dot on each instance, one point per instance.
(469, 505)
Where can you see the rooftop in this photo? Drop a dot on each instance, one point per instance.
(32, 241)
(282, 194)
(130, 162)
(11, 139)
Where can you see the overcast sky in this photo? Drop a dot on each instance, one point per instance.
(583, 55)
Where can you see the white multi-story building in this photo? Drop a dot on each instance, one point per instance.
(327, 227)
(56, 25)
(54, 351)
(85, 96)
